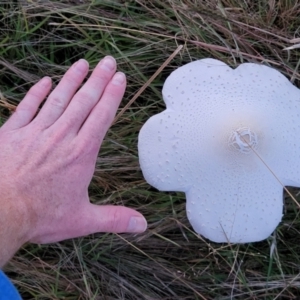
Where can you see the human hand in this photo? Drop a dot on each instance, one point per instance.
(47, 161)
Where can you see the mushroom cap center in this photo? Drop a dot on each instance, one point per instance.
(243, 140)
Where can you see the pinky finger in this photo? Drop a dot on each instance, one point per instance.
(28, 107)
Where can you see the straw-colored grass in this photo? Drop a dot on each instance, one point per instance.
(169, 261)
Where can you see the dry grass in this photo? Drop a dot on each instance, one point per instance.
(169, 261)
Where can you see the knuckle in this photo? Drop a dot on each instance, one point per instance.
(72, 79)
(105, 116)
(89, 145)
(56, 101)
(112, 93)
(83, 97)
(34, 92)
(80, 149)
(114, 221)
(21, 108)
(98, 82)
(76, 153)
(100, 77)
(33, 95)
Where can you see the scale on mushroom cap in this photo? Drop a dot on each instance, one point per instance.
(224, 135)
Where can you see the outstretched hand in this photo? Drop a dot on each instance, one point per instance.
(48, 158)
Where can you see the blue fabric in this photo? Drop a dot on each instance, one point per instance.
(7, 290)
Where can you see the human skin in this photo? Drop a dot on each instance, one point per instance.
(48, 159)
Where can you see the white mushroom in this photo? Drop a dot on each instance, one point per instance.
(229, 139)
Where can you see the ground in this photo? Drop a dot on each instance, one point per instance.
(168, 261)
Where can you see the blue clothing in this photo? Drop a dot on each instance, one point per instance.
(7, 290)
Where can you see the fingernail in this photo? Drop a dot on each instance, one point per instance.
(81, 66)
(119, 78)
(108, 63)
(137, 224)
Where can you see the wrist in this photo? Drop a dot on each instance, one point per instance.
(14, 225)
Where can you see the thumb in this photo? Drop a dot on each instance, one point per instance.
(90, 219)
(109, 218)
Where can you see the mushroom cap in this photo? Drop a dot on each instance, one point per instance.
(229, 139)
